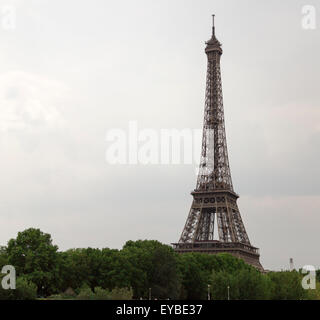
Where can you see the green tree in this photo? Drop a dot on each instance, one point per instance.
(75, 269)
(194, 277)
(253, 285)
(34, 256)
(25, 290)
(91, 267)
(220, 281)
(3, 256)
(85, 293)
(245, 284)
(151, 264)
(286, 285)
(196, 270)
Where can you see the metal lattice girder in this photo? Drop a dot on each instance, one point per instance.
(214, 200)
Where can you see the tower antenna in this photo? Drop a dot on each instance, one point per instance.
(213, 31)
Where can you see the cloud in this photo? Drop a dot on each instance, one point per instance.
(30, 102)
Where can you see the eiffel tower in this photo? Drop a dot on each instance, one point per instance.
(214, 198)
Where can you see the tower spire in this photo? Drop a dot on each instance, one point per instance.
(213, 43)
(213, 29)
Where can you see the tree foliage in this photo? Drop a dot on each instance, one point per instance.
(34, 256)
(139, 269)
(25, 290)
(245, 284)
(286, 285)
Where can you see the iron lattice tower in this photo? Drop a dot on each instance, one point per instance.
(214, 198)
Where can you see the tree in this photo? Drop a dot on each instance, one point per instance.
(91, 267)
(194, 277)
(220, 281)
(25, 290)
(244, 284)
(164, 277)
(34, 256)
(77, 268)
(151, 264)
(85, 293)
(196, 270)
(253, 285)
(286, 285)
(3, 257)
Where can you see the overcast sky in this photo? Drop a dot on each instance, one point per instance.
(70, 71)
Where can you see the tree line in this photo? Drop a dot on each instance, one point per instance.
(142, 269)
